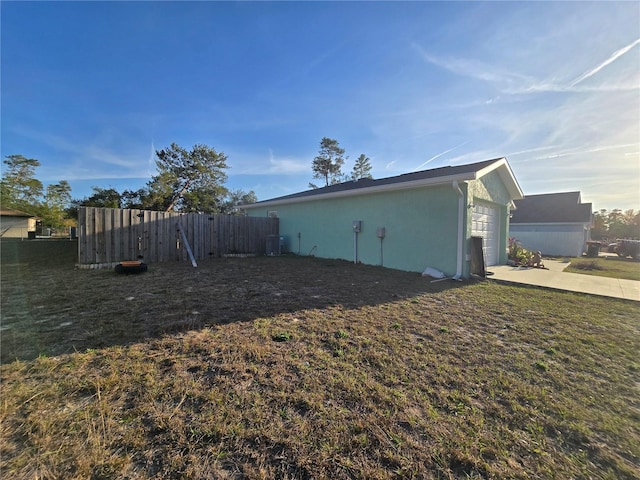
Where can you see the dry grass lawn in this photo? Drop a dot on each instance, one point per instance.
(613, 267)
(302, 368)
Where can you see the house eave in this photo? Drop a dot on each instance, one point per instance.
(429, 182)
(15, 213)
(500, 165)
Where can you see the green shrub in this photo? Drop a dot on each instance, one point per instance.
(281, 337)
(517, 253)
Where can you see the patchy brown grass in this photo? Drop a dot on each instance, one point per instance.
(300, 368)
(613, 267)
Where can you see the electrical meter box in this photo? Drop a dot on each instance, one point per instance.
(380, 232)
(357, 226)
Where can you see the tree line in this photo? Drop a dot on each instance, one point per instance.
(615, 223)
(21, 190)
(185, 181)
(188, 181)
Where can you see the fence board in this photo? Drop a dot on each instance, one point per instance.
(125, 234)
(82, 220)
(213, 243)
(97, 236)
(107, 236)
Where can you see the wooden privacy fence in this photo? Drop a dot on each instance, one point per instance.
(107, 236)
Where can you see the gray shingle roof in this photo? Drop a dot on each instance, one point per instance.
(12, 212)
(552, 208)
(362, 184)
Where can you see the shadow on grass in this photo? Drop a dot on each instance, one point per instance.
(49, 308)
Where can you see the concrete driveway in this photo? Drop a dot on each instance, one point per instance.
(556, 278)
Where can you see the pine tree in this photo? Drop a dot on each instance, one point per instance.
(362, 168)
(327, 165)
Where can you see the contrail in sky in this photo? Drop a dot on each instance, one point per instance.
(579, 151)
(152, 157)
(439, 155)
(617, 54)
(531, 150)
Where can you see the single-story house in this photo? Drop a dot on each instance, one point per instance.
(556, 224)
(16, 224)
(407, 222)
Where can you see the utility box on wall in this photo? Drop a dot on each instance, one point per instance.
(357, 226)
(381, 232)
(274, 244)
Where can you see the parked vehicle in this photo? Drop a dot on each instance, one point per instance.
(628, 248)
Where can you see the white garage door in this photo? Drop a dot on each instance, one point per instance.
(486, 224)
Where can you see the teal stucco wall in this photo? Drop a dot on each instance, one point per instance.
(421, 225)
(420, 228)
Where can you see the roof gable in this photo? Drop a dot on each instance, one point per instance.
(435, 176)
(552, 208)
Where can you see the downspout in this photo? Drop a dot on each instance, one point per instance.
(456, 188)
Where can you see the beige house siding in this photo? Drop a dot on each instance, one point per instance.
(15, 224)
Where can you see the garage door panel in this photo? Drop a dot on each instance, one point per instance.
(485, 223)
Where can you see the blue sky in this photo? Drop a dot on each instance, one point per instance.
(91, 89)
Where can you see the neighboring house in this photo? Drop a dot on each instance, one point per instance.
(408, 222)
(16, 224)
(557, 224)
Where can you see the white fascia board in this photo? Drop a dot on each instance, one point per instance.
(426, 182)
(534, 224)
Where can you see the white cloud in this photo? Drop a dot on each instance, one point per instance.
(286, 165)
(250, 163)
(87, 161)
(473, 68)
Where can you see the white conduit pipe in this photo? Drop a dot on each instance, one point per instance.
(456, 188)
(355, 246)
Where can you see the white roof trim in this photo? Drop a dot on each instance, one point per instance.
(507, 176)
(537, 224)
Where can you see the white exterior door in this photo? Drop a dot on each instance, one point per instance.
(486, 224)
